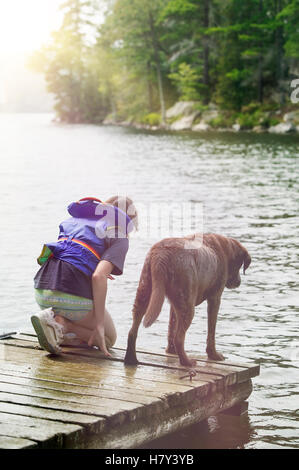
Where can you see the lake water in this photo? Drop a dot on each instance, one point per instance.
(248, 187)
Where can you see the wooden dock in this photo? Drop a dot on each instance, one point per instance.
(82, 400)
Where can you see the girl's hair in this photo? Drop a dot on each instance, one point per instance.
(125, 204)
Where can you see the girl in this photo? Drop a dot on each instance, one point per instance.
(71, 285)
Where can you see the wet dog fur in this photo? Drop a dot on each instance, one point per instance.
(187, 271)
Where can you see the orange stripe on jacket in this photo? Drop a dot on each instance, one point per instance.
(83, 244)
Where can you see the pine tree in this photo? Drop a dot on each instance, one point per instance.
(190, 48)
(137, 42)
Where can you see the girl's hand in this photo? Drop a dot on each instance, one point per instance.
(97, 338)
(110, 277)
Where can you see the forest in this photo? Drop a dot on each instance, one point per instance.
(131, 60)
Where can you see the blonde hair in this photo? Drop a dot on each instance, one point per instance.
(127, 205)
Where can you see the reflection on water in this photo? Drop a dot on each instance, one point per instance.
(248, 185)
(216, 432)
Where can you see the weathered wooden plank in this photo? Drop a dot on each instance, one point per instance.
(95, 423)
(134, 434)
(109, 382)
(104, 403)
(85, 391)
(172, 395)
(199, 357)
(167, 362)
(171, 375)
(116, 380)
(232, 374)
(16, 443)
(117, 415)
(25, 337)
(169, 396)
(44, 432)
(113, 384)
(109, 404)
(111, 408)
(255, 368)
(104, 368)
(21, 343)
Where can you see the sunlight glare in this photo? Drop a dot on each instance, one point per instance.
(25, 25)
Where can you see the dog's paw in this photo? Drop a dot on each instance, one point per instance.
(215, 356)
(130, 360)
(188, 363)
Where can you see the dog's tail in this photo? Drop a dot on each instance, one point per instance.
(158, 265)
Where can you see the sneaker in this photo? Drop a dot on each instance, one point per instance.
(49, 332)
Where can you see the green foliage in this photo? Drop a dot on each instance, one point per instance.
(222, 121)
(251, 107)
(200, 107)
(186, 81)
(143, 55)
(290, 20)
(273, 122)
(248, 120)
(152, 119)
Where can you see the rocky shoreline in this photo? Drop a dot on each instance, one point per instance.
(191, 116)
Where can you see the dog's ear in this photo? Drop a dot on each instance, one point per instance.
(246, 260)
(241, 255)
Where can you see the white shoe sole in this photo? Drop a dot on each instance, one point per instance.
(42, 339)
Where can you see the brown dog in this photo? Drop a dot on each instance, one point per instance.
(187, 271)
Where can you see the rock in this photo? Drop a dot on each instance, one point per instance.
(184, 123)
(108, 121)
(282, 128)
(201, 126)
(181, 107)
(208, 115)
(236, 127)
(213, 107)
(258, 129)
(265, 116)
(291, 117)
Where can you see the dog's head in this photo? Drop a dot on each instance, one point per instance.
(239, 257)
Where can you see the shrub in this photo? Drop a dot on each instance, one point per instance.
(222, 121)
(273, 122)
(248, 121)
(251, 107)
(152, 119)
(270, 106)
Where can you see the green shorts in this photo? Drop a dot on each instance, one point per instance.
(69, 306)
